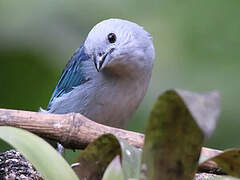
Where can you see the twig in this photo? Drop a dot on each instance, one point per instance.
(73, 130)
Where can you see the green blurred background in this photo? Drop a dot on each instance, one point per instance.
(197, 48)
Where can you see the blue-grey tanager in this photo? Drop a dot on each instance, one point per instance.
(107, 77)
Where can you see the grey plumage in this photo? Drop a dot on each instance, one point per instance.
(113, 94)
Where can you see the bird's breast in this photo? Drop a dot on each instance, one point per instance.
(105, 99)
(114, 101)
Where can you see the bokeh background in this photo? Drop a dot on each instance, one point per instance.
(197, 48)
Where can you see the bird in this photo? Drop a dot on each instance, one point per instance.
(108, 75)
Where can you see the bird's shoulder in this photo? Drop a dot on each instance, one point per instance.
(72, 76)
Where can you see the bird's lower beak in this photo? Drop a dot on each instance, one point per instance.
(101, 61)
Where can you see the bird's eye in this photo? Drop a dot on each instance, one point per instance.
(112, 38)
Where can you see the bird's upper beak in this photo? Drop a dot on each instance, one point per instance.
(101, 61)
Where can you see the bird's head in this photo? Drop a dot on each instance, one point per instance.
(115, 43)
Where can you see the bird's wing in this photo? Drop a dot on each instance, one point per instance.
(72, 76)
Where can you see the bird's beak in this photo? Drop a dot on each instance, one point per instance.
(101, 61)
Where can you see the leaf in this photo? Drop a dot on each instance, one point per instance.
(204, 107)
(114, 170)
(208, 153)
(43, 157)
(131, 160)
(93, 161)
(173, 138)
(229, 161)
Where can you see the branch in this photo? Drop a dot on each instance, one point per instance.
(74, 130)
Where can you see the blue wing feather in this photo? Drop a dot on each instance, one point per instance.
(72, 76)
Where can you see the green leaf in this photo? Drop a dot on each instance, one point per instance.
(114, 170)
(131, 160)
(93, 161)
(43, 157)
(175, 132)
(229, 161)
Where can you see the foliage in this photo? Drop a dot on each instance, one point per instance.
(43, 157)
(174, 135)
